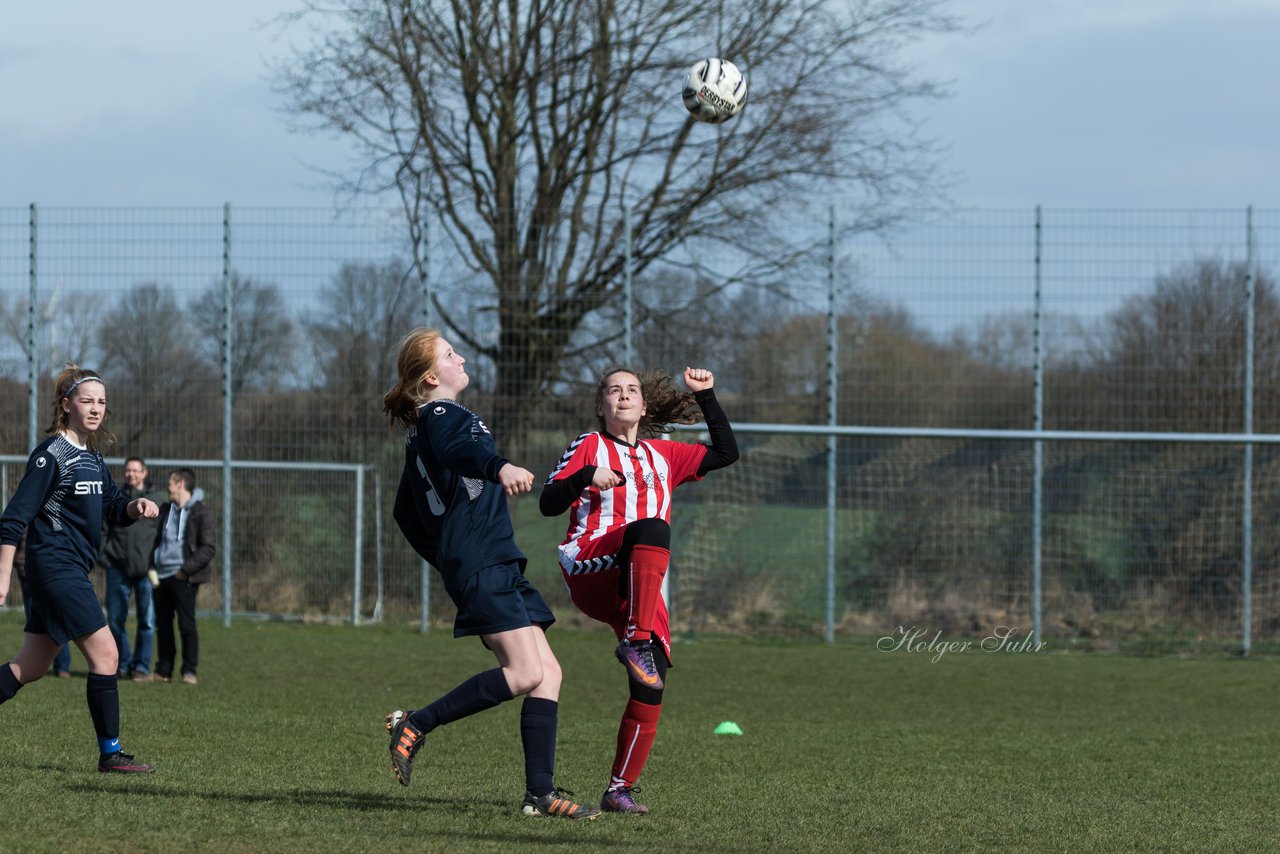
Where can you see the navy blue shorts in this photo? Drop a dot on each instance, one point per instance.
(498, 599)
(63, 607)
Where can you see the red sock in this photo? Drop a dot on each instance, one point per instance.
(644, 589)
(635, 740)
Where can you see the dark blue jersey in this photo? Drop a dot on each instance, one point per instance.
(450, 505)
(64, 497)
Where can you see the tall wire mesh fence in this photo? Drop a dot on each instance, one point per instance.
(1068, 320)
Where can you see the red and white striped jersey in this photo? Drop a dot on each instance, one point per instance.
(651, 470)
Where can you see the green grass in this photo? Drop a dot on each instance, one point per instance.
(846, 748)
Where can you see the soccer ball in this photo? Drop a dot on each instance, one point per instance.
(714, 90)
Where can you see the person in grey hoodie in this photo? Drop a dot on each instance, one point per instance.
(184, 547)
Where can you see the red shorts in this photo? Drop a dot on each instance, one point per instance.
(596, 592)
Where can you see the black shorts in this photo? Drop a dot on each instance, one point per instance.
(497, 599)
(63, 607)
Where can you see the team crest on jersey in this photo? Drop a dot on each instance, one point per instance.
(39, 462)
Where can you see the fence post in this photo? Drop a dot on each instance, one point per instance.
(228, 342)
(424, 593)
(421, 255)
(377, 541)
(358, 567)
(1037, 487)
(1246, 533)
(33, 398)
(628, 295)
(833, 375)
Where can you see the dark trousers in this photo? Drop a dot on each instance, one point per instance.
(176, 597)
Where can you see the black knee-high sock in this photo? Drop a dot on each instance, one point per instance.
(482, 691)
(9, 683)
(104, 707)
(538, 735)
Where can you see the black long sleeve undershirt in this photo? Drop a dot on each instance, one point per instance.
(559, 495)
(723, 450)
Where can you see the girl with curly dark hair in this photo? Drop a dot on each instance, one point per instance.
(617, 483)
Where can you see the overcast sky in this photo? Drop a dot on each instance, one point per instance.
(1065, 103)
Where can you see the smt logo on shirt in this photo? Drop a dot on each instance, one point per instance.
(88, 487)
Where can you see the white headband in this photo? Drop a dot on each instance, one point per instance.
(82, 380)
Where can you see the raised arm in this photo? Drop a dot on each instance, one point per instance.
(723, 450)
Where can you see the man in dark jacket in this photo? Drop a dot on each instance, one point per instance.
(126, 555)
(185, 542)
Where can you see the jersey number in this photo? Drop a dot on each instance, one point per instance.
(434, 504)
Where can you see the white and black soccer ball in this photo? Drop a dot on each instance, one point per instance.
(714, 90)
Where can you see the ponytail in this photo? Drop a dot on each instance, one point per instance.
(399, 405)
(416, 357)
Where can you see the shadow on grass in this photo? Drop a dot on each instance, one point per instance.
(142, 787)
(573, 836)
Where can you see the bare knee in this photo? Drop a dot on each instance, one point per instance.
(29, 667)
(102, 661)
(551, 676)
(100, 651)
(106, 663)
(27, 675)
(525, 678)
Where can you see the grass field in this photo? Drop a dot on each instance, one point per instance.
(846, 748)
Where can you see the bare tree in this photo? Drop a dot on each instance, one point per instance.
(1173, 358)
(64, 329)
(684, 319)
(548, 135)
(64, 333)
(161, 390)
(263, 339)
(146, 339)
(13, 336)
(362, 313)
